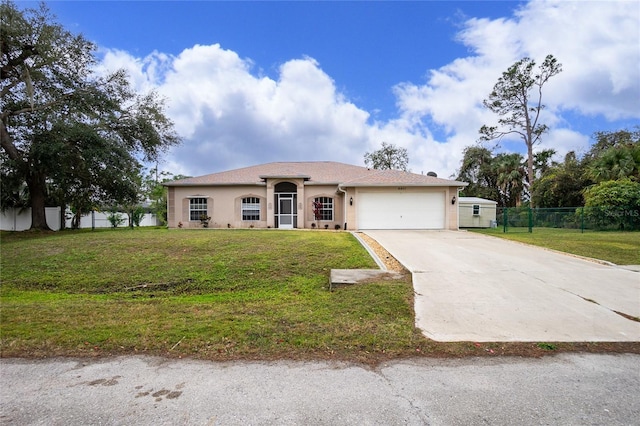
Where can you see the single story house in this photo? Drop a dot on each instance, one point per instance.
(477, 212)
(320, 194)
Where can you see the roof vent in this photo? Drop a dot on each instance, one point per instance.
(432, 174)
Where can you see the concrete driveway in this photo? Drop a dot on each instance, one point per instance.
(471, 287)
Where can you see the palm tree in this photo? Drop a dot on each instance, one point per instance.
(616, 163)
(511, 172)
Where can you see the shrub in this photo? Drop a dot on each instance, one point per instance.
(115, 219)
(136, 215)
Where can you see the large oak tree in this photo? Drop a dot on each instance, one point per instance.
(67, 132)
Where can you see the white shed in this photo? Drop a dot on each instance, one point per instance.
(476, 212)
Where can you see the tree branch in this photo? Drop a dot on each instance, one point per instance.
(7, 144)
(27, 52)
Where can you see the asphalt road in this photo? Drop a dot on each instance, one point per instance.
(569, 389)
(472, 287)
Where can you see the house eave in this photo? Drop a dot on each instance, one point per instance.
(190, 184)
(321, 183)
(401, 184)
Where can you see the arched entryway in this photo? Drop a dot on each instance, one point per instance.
(286, 211)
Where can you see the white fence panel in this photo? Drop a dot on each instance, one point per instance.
(16, 220)
(149, 220)
(20, 220)
(13, 220)
(101, 220)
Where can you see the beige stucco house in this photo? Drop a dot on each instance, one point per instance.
(320, 194)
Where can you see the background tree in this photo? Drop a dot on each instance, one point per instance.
(510, 172)
(543, 161)
(13, 190)
(498, 177)
(561, 185)
(605, 140)
(517, 99)
(389, 157)
(478, 170)
(613, 165)
(617, 200)
(615, 155)
(155, 193)
(62, 127)
(611, 193)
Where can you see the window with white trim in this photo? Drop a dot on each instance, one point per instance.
(476, 209)
(251, 208)
(197, 208)
(323, 208)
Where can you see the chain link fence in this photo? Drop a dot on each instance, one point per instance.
(525, 219)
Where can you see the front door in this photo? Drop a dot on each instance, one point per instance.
(285, 209)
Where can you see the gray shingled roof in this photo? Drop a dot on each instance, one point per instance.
(316, 173)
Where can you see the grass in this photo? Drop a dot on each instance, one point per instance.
(211, 294)
(621, 248)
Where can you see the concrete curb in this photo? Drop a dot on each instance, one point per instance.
(375, 257)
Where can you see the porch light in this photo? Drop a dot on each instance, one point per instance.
(453, 200)
(351, 201)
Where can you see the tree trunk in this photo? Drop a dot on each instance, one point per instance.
(530, 173)
(63, 217)
(35, 182)
(37, 193)
(529, 141)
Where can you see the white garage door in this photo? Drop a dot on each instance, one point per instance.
(401, 210)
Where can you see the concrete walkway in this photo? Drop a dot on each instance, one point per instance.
(471, 287)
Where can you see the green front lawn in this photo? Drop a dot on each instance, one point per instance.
(213, 294)
(621, 248)
(207, 293)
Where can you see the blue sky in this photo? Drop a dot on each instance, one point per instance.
(251, 82)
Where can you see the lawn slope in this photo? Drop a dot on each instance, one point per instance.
(213, 294)
(621, 248)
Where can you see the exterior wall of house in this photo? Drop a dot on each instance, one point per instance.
(451, 220)
(224, 205)
(171, 207)
(350, 208)
(482, 220)
(311, 192)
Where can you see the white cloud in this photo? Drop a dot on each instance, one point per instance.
(144, 74)
(232, 116)
(597, 43)
(563, 140)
